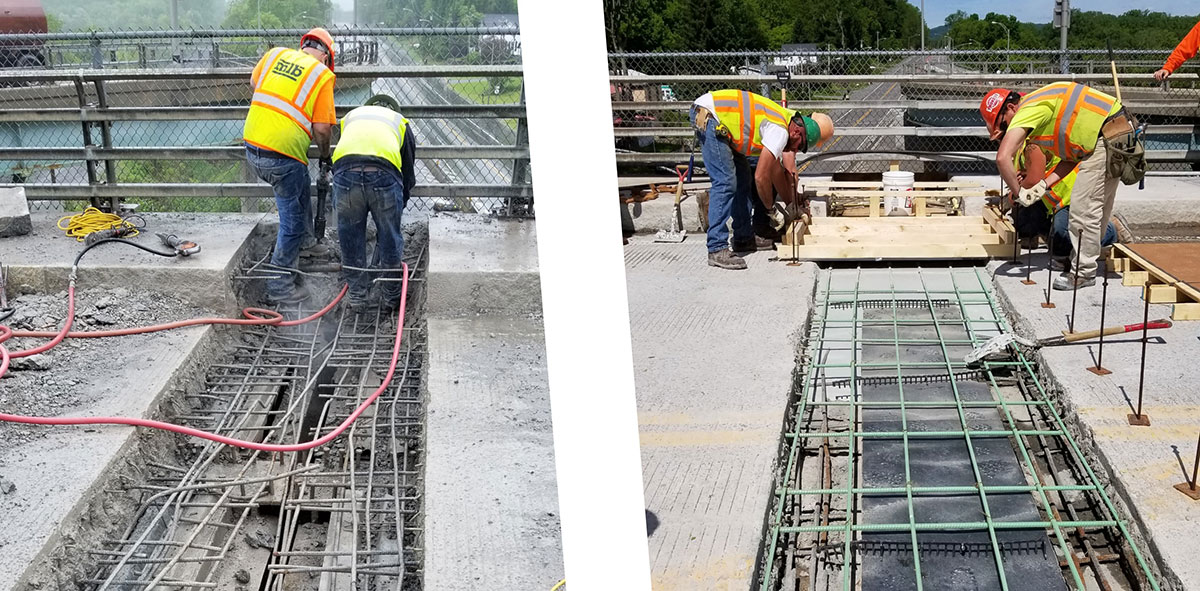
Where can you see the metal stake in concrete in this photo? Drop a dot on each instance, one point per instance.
(1049, 268)
(1099, 369)
(1029, 265)
(796, 235)
(1189, 488)
(1075, 287)
(1138, 419)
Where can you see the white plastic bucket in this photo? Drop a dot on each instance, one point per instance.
(895, 184)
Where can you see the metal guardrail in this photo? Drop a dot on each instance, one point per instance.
(100, 119)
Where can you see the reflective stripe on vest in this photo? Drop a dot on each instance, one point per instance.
(1079, 113)
(1057, 195)
(742, 114)
(372, 131)
(284, 99)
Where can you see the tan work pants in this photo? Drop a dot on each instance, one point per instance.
(1091, 208)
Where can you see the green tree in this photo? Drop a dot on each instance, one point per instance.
(73, 15)
(244, 14)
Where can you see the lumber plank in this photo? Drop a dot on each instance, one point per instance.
(880, 222)
(900, 238)
(919, 206)
(1154, 271)
(1188, 311)
(881, 193)
(1001, 225)
(1163, 294)
(924, 230)
(893, 251)
(1135, 278)
(875, 201)
(879, 184)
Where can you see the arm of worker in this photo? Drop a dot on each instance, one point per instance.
(324, 118)
(1186, 50)
(1013, 139)
(1061, 170)
(770, 177)
(408, 160)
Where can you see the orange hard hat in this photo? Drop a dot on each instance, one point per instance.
(990, 107)
(322, 36)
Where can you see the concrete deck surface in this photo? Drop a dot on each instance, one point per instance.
(491, 497)
(713, 356)
(1145, 462)
(43, 258)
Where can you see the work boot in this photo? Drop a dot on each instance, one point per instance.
(1069, 281)
(1124, 235)
(298, 294)
(758, 243)
(726, 259)
(358, 304)
(315, 250)
(1061, 264)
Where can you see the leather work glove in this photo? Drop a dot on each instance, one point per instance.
(779, 216)
(1031, 195)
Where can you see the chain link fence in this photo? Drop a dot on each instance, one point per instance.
(923, 106)
(155, 117)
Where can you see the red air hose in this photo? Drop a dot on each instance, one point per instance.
(271, 318)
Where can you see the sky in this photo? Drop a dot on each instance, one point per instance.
(1041, 11)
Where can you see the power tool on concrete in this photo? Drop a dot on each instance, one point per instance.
(120, 231)
(182, 248)
(322, 197)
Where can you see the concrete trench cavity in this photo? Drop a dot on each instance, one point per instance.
(902, 468)
(348, 515)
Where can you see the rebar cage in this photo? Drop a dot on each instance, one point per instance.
(903, 468)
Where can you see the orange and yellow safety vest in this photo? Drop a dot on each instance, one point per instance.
(285, 95)
(1069, 116)
(742, 114)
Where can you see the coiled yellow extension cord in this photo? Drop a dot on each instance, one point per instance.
(93, 220)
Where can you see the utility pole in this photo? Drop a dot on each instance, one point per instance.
(1062, 20)
(922, 25)
(175, 27)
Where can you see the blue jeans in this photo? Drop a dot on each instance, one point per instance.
(355, 194)
(1035, 221)
(1062, 236)
(732, 181)
(290, 181)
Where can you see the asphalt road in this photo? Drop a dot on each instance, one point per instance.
(447, 132)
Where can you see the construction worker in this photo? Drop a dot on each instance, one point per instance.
(1074, 123)
(1185, 51)
(732, 126)
(292, 106)
(1048, 217)
(374, 170)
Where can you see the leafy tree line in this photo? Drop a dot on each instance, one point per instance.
(436, 13)
(1136, 29)
(713, 25)
(688, 25)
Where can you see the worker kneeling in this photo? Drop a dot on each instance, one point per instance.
(732, 126)
(373, 172)
(1048, 217)
(1081, 127)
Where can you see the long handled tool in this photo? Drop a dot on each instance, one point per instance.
(1113, 63)
(676, 233)
(997, 346)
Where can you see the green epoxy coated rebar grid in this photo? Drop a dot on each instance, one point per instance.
(787, 519)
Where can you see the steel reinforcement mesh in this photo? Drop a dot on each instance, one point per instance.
(347, 515)
(903, 468)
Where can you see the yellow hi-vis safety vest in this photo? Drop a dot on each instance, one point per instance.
(372, 131)
(1057, 195)
(285, 94)
(742, 114)
(1078, 113)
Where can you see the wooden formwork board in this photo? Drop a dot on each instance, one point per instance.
(865, 198)
(1167, 268)
(899, 238)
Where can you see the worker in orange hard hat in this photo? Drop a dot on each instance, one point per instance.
(291, 107)
(1081, 127)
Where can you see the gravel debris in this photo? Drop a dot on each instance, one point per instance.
(59, 381)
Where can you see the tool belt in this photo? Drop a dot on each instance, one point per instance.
(702, 117)
(1126, 158)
